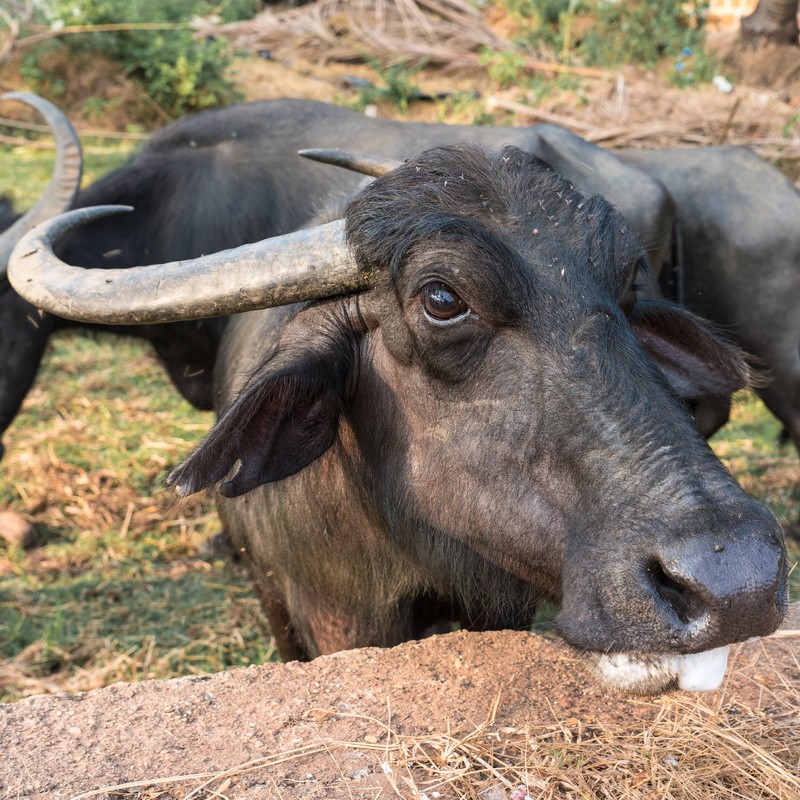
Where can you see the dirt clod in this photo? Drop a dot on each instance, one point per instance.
(16, 530)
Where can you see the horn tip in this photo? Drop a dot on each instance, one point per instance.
(319, 152)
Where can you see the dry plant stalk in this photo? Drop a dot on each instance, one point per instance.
(446, 33)
(449, 34)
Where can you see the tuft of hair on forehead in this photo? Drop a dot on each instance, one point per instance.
(502, 192)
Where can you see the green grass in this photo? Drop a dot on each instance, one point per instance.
(117, 590)
(26, 171)
(749, 445)
(78, 617)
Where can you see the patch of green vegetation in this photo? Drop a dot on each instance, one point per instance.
(607, 34)
(545, 24)
(645, 32)
(544, 621)
(116, 590)
(398, 88)
(178, 71)
(27, 171)
(459, 106)
(750, 446)
(506, 68)
(190, 623)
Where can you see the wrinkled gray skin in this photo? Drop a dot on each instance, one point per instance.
(240, 169)
(643, 184)
(395, 470)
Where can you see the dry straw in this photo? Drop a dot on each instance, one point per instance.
(441, 32)
(689, 749)
(449, 34)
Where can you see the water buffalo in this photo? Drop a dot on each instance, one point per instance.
(719, 225)
(460, 409)
(232, 175)
(189, 200)
(739, 220)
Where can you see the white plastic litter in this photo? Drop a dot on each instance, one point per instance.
(722, 84)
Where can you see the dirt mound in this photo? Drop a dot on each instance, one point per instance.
(462, 715)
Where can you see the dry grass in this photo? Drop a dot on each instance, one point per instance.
(614, 118)
(438, 32)
(118, 588)
(690, 749)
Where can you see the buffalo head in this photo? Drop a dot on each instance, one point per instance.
(466, 412)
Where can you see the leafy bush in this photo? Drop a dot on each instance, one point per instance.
(179, 73)
(506, 68)
(645, 31)
(398, 88)
(544, 23)
(611, 32)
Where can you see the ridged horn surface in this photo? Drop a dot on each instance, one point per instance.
(65, 183)
(305, 265)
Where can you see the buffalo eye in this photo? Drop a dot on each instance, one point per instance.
(441, 303)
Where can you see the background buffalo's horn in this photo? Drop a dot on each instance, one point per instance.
(358, 162)
(306, 265)
(63, 187)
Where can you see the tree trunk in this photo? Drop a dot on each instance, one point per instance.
(775, 20)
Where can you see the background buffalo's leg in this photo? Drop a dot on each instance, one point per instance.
(710, 414)
(784, 402)
(23, 336)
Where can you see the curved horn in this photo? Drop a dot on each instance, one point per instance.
(358, 162)
(306, 265)
(60, 192)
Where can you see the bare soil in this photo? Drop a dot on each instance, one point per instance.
(398, 720)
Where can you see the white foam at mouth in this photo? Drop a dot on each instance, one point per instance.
(697, 672)
(702, 672)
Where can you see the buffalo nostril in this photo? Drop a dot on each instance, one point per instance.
(685, 602)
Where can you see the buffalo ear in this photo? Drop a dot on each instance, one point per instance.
(280, 423)
(696, 361)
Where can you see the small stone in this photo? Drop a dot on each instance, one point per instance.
(16, 530)
(370, 739)
(496, 792)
